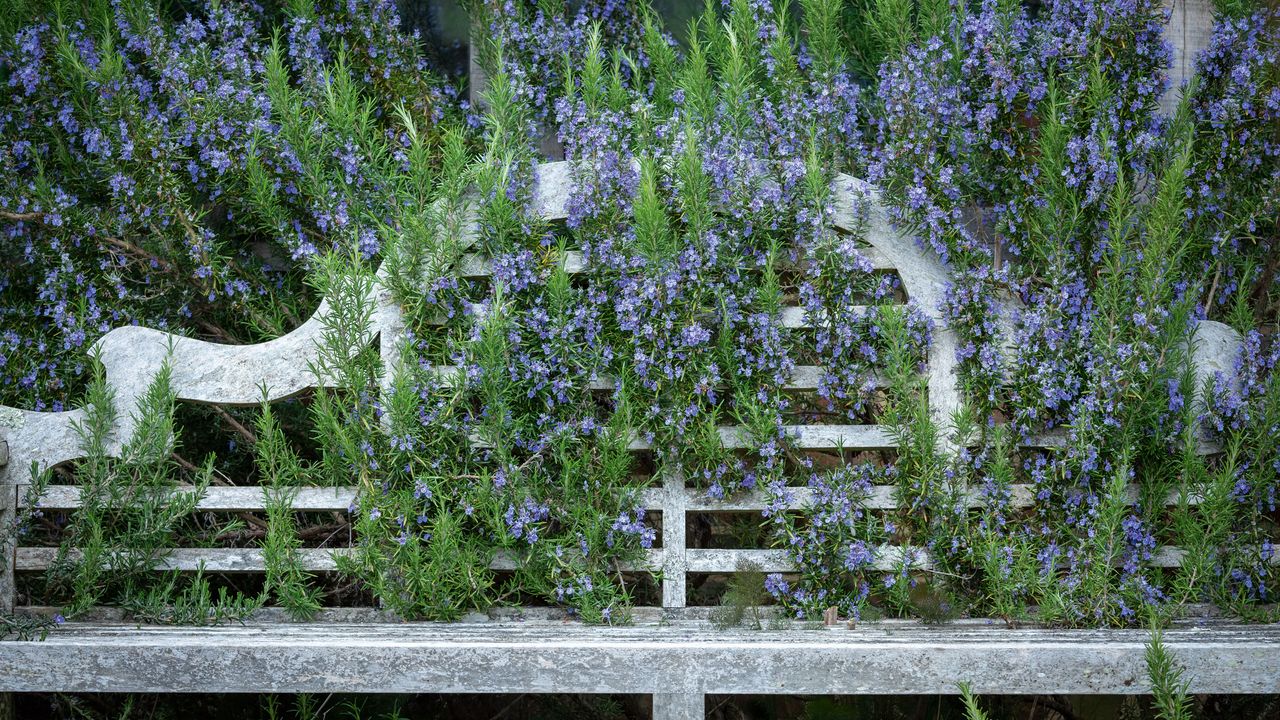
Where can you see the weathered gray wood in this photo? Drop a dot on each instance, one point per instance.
(340, 499)
(671, 659)
(224, 498)
(1190, 615)
(791, 316)
(8, 505)
(718, 560)
(475, 265)
(8, 510)
(1058, 438)
(695, 560)
(803, 377)
(1189, 29)
(8, 545)
(679, 706)
(805, 437)
(478, 81)
(674, 540)
(813, 437)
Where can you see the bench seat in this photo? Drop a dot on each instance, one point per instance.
(676, 658)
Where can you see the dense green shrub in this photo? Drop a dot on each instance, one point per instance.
(212, 173)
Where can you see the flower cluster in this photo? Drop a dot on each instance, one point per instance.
(162, 172)
(837, 542)
(951, 144)
(1235, 176)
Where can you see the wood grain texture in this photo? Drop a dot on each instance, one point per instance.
(1189, 29)
(673, 659)
(695, 560)
(679, 706)
(8, 543)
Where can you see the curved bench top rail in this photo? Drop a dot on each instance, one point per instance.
(234, 375)
(208, 372)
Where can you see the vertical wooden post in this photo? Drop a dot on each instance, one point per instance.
(476, 79)
(478, 82)
(1190, 26)
(389, 323)
(8, 523)
(8, 544)
(679, 706)
(674, 565)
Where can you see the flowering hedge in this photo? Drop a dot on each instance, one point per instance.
(206, 173)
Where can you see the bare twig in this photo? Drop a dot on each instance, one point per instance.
(22, 217)
(220, 479)
(243, 431)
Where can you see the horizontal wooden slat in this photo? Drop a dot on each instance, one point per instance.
(223, 498)
(805, 437)
(214, 560)
(881, 497)
(812, 437)
(803, 377)
(790, 316)
(887, 558)
(1058, 438)
(696, 617)
(727, 560)
(320, 499)
(475, 265)
(700, 560)
(233, 560)
(514, 657)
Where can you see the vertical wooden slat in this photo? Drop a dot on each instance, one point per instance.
(674, 563)
(476, 79)
(679, 706)
(1189, 29)
(391, 335)
(8, 544)
(8, 507)
(943, 386)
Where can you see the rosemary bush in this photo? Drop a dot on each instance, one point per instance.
(211, 169)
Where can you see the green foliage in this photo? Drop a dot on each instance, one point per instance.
(498, 434)
(743, 601)
(822, 28)
(1168, 688)
(880, 30)
(130, 513)
(178, 599)
(281, 473)
(971, 709)
(23, 628)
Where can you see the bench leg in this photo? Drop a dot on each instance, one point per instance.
(8, 507)
(8, 516)
(679, 706)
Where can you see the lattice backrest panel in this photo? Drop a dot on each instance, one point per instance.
(204, 372)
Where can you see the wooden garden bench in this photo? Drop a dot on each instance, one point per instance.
(670, 652)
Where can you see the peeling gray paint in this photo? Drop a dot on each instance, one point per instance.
(675, 659)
